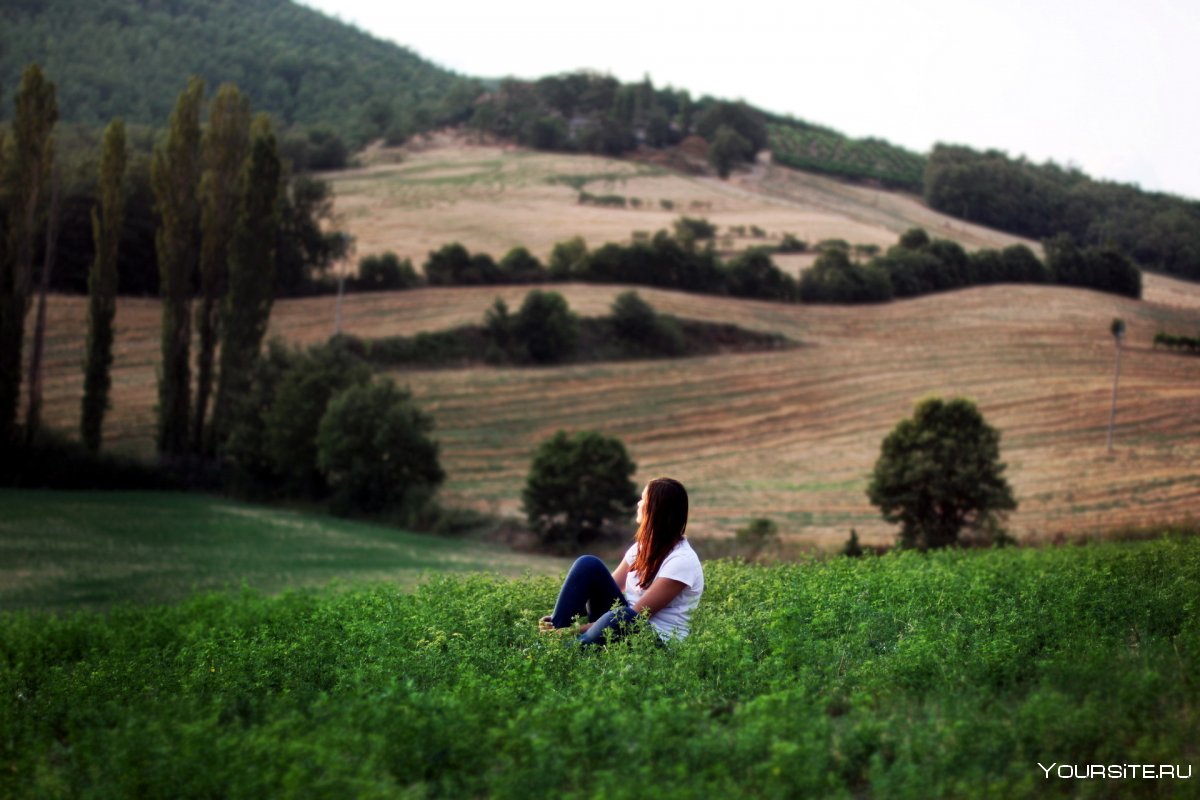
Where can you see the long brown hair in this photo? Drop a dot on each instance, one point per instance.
(664, 519)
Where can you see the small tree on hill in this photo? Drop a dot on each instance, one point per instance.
(576, 484)
(545, 328)
(727, 149)
(940, 472)
(374, 448)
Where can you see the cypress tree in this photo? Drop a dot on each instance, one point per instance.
(33, 410)
(30, 159)
(251, 274)
(175, 174)
(107, 220)
(224, 150)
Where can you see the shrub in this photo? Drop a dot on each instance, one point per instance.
(914, 239)
(447, 266)
(576, 485)
(521, 266)
(544, 329)
(825, 245)
(753, 274)
(374, 449)
(689, 230)
(834, 278)
(790, 244)
(639, 328)
(568, 258)
(759, 534)
(384, 272)
(294, 414)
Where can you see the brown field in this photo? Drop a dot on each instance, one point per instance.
(492, 198)
(791, 435)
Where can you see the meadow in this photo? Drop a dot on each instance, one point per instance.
(909, 676)
(66, 551)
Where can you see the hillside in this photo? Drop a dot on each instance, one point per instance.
(791, 435)
(76, 550)
(131, 58)
(492, 197)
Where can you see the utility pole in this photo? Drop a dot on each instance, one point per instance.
(1118, 332)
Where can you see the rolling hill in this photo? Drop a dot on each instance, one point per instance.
(790, 435)
(131, 58)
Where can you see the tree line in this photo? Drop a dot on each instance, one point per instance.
(1159, 231)
(300, 424)
(591, 113)
(919, 264)
(544, 330)
(306, 244)
(1171, 341)
(685, 259)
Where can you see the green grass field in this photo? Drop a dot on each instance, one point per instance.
(69, 550)
(908, 676)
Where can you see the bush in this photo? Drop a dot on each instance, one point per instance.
(759, 534)
(834, 278)
(754, 274)
(55, 462)
(639, 328)
(914, 239)
(385, 272)
(448, 266)
(689, 230)
(521, 266)
(374, 449)
(790, 244)
(1104, 268)
(291, 420)
(544, 329)
(568, 258)
(576, 485)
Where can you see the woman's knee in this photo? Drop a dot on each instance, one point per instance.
(588, 563)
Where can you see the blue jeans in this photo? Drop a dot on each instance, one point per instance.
(590, 591)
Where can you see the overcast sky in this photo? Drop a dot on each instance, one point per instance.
(1105, 85)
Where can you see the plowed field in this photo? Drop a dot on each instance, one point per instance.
(790, 435)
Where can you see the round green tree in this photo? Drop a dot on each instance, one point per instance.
(545, 328)
(940, 472)
(576, 484)
(373, 446)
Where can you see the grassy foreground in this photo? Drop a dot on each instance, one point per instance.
(917, 676)
(66, 550)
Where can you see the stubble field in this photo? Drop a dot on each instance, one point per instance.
(789, 435)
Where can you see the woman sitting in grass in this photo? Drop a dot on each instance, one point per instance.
(660, 573)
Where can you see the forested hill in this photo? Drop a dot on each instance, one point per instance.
(131, 58)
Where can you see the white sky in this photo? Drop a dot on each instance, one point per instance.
(1107, 85)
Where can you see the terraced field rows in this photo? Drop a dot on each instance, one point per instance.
(790, 435)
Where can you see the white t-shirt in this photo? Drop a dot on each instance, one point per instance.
(683, 565)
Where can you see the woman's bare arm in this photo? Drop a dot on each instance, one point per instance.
(659, 595)
(620, 573)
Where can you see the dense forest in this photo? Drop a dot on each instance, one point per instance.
(129, 58)
(1160, 231)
